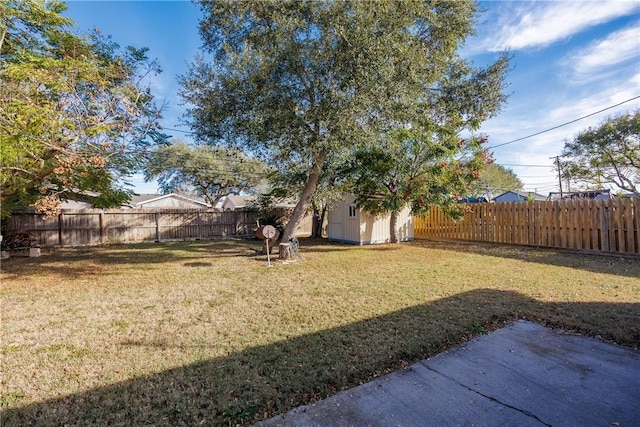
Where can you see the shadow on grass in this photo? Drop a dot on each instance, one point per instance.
(262, 381)
(73, 262)
(608, 264)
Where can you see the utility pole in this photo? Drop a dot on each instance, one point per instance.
(559, 173)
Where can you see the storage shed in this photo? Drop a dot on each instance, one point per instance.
(349, 224)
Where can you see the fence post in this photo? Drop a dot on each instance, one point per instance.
(605, 227)
(198, 225)
(157, 218)
(102, 231)
(60, 228)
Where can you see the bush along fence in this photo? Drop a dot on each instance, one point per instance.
(98, 226)
(602, 226)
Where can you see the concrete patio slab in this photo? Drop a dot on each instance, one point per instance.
(521, 375)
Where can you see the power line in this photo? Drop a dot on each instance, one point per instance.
(528, 166)
(564, 124)
(177, 130)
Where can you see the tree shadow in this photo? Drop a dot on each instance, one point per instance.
(72, 262)
(262, 381)
(318, 245)
(197, 264)
(607, 264)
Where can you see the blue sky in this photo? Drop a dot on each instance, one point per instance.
(570, 59)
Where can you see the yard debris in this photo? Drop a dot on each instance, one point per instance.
(18, 240)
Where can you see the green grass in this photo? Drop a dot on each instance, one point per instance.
(203, 332)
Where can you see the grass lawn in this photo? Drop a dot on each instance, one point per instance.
(189, 333)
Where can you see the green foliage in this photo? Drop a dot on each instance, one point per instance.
(267, 213)
(495, 180)
(288, 182)
(606, 155)
(417, 170)
(304, 81)
(422, 161)
(211, 172)
(76, 111)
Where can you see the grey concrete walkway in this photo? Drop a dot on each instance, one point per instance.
(521, 375)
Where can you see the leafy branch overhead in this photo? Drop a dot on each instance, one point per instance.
(210, 172)
(76, 111)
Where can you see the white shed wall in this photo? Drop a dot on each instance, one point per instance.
(341, 227)
(364, 229)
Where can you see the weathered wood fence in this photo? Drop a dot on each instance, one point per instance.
(605, 226)
(100, 226)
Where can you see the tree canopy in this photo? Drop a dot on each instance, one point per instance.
(495, 180)
(76, 111)
(302, 80)
(417, 170)
(606, 155)
(210, 172)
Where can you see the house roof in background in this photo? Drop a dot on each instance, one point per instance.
(142, 199)
(239, 201)
(523, 195)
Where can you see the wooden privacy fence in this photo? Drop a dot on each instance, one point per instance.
(605, 226)
(98, 226)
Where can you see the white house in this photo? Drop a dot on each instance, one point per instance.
(165, 201)
(231, 203)
(349, 224)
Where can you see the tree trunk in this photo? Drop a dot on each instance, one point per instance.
(316, 225)
(309, 190)
(393, 228)
(322, 217)
(318, 221)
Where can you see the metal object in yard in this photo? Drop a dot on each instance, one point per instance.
(295, 247)
(269, 232)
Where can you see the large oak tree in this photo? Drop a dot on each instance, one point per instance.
(210, 172)
(302, 80)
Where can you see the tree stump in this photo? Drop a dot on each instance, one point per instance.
(285, 251)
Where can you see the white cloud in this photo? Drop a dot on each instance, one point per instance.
(539, 150)
(616, 48)
(539, 24)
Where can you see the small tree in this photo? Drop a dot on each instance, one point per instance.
(417, 170)
(210, 172)
(606, 155)
(494, 180)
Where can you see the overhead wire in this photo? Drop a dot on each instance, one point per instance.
(514, 140)
(523, 165)
(563, 124)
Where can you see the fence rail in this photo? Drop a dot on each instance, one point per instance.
(605, 226)
(99, 226)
